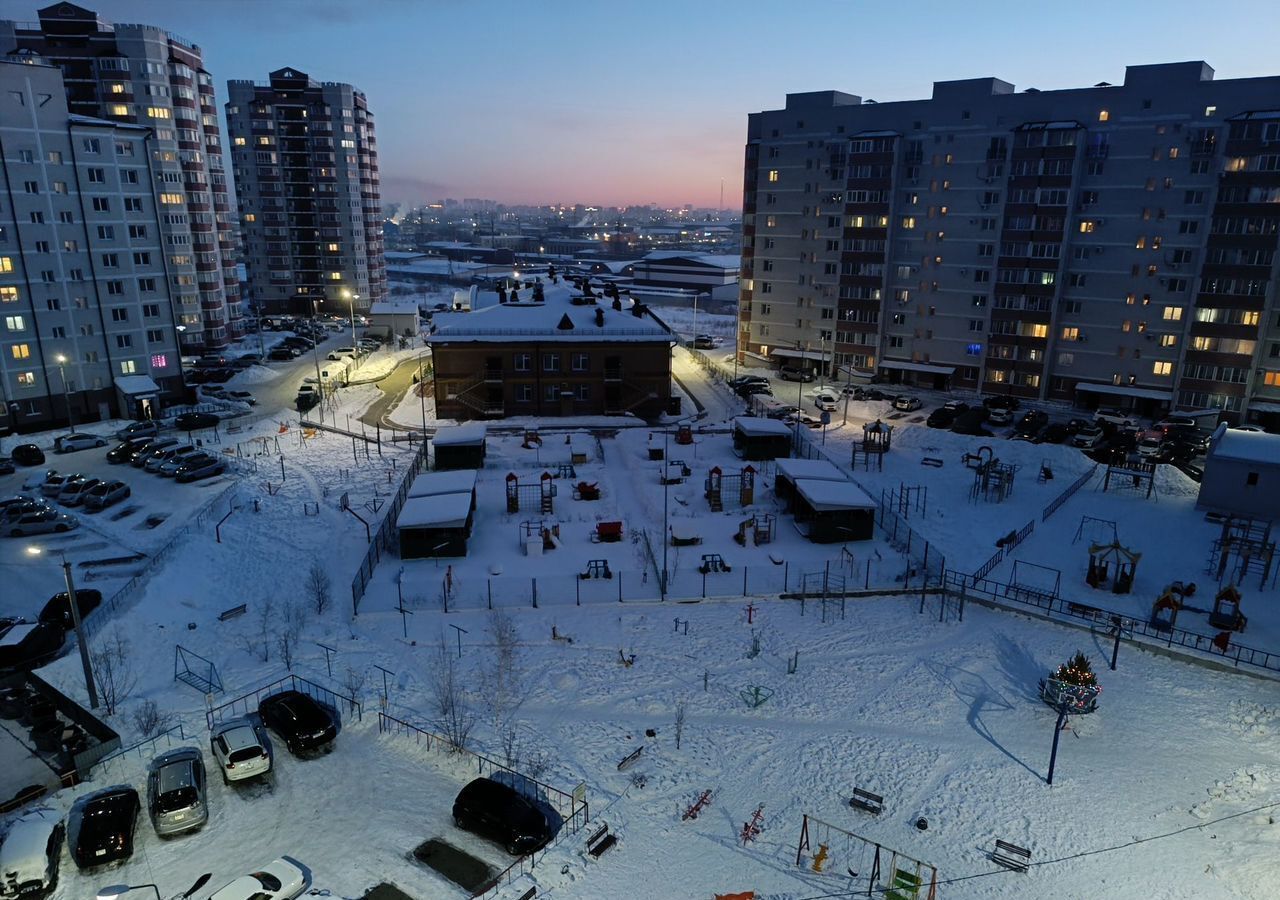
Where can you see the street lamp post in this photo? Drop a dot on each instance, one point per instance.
(76, 622)
(66, 390)
(422, 397)
(666, 536)
(113, 891)
(315, 354)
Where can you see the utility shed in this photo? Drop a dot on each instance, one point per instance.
(760, 438)
(434, 484)
(832, 512)
(1242, 474)
(792, 470)
(435, 526)
(460, 446)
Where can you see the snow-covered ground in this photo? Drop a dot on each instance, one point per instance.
(1167, 790)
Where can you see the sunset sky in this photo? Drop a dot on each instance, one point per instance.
(620, 103)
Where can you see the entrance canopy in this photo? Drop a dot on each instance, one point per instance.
(917, 367)
(136, 385)
(1125, 390)
(815, 355)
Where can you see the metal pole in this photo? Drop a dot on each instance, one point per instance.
(80, 637)
(666, 463)
(422, 397)
(1053, 754)
(66, 397)
(1115, 651)
(315, 355)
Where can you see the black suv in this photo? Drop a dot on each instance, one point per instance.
(58, 610)
(301, 721)
(498, 812)
(106, 828)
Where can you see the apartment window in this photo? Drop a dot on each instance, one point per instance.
(97, 176)
(141, 258)
(584, 392)
(124, 341)
(158, 112)
(110, 260)
(975, 325)
(524, 393)
(48, 276)
(119, 314)
(580, 362)
(31, 187)
(134, 204)
(550, 393)
(1168, 340)
(982, 276)
(773, 175)
(1193, 198)
(15, 323)
(551, 362)
(146, 284)
(172, 199)
(128, 366)
(115, 288)
(1103, 115)
(770, 221)
(1162, 368)
(8, 294)
(66, 218)
(1077, 279)
(155, 336)
(986, 250)
(908, 222)
(20, 351)
(151, 310)
(137, 231)
(102, 204)
(26, 379)
(106, 233)
(1071, 333)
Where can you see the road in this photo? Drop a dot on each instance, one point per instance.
(393, 388)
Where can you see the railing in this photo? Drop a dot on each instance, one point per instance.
(1066, 495)
(1055, 607)
(147, 743)
(240, 705)
(572, 812)
(385, 537)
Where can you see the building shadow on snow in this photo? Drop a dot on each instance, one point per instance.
(1019, 666)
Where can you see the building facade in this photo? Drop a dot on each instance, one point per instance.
(306, 170)
(1112, 244)
(142, 75)
(88, 325)
(564, 355)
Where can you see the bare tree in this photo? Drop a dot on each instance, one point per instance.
(149, 720)
(319, 588)
(353, 683)
(258, 641)
(113, 671)
(454, 718)
(288, 633)
(680, 710)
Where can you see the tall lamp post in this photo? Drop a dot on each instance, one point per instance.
(422, 397)
(78, 624)
(66, 389)
(315, 354)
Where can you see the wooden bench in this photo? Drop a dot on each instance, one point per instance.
(867, 801)
(631, 757)
(1011, 856)
(233, 612)
(601, 842)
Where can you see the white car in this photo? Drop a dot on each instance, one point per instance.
(907, 403)
(825, 402)
(69, 443)
(1000, 415)
(1088, 437)
(242, 749)
(282, 879)
(1149, 447)
(1117, 417)
(169, 467)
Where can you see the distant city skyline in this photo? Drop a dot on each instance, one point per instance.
(573, 102)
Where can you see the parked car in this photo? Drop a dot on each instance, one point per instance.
(58, 610)
(1089, 437)
(107, 823)
(139, 457)
(1116, 417)
(704, 342)
(1149, 447)
(738, 382)
(242, 397)
(1032, 422)
(803, 419)
(80, 440)
(16, 500)
(971, 422)
(106, 493)
(27, 645)
(302, 722)
(30, 855)
(7, 466)
(1008, 401)
(54, 482)
(826, 402)
(200, 467)
(794, 373)
(213, 390)
(157, 457)
(242, 749)
(907, 403)
(41, 522)
(123, 452)
(308, 396)
(1074, 425)
(282, 879)
(278, 354)
(941, 418)
(75, 491)
(956, 406)
(249, 359)
(781, 412)
(195, 421)
(751, 388)
(177, 799)
(1054, 433)
(15, 511)
(497, 811)
(169, 467)
(27, 455)
(1176, 424)
(999, 415)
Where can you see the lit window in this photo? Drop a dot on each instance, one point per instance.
(14, 323)
(1039, 331)
(8, 294)
(26, 379)
(1071, 333)
(773, 174)
(118, 109)
(117, 88)
(333, 248)
(1162, 368)
(6, 264)
(1173, 313)
(239, 142)
(1087, 226)
(1103, 115)
(128, 367)
(172, 198)
(908, 222)
(335, 276)
(160, 361)
(1209, 111)
(250, 217)
(1168, 340)
(1271, 379)
(158, 112)
(21, 351)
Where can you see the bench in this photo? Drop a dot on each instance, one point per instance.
(601, 842)
(608, 532)
(235, 611)
(867, 801)
(1084, 611)
(1011, 856)
(631, 757)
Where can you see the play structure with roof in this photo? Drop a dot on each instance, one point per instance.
(1112, 566)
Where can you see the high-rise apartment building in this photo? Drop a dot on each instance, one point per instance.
(306, 170)
(142, 75)
(1112, 244)
(87, 321)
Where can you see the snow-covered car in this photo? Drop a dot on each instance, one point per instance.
(31, 853)
(1116, 417)
(196, 469)
(241, 397)
(54, 482)
(138, 430)
(81, 440)
(1149, 446)
(105, 493)
(1088, 437)
(158, 458)
(907, 403)
(74, 492)
(281, 879)
(795, 373)
(41, 521)
(242, 749)
(1000, 415)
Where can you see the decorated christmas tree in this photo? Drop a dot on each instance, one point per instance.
(1077, 671)
(1073, 686)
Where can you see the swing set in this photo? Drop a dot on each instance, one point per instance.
(885, 872)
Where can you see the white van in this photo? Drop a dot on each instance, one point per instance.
(31, 852)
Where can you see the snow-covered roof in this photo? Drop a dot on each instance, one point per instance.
(441, 511)
(402, 255)
(394, 308)
(825, 496)
(460, 435)
(757, 426)
(556, 318)
(136, 384)
(432, 484)
(1245, 446)
(1123, 390)
(809, 469)
(719, 260)
(434, 267)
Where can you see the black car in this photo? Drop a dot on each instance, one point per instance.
(195, 421)
(281, 353)
(498, 812)
(123, 452)
(1031, 423)
(106, 828)
(941, 418)
(27, 455)
(301, 721)
(971, 422)
(58, 610)
(1006, 402)
(24, 645)
(1054, 433)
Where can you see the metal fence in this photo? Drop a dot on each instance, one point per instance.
(572, 811)
(384, 539)
(1066, 495)
(248, 702)
(1201, 646)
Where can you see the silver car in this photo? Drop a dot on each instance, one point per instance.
(242, 749)
(159, 457)
(41, 521)
(177, 798)
(105, 493)
(74, 492)
(170, 466)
